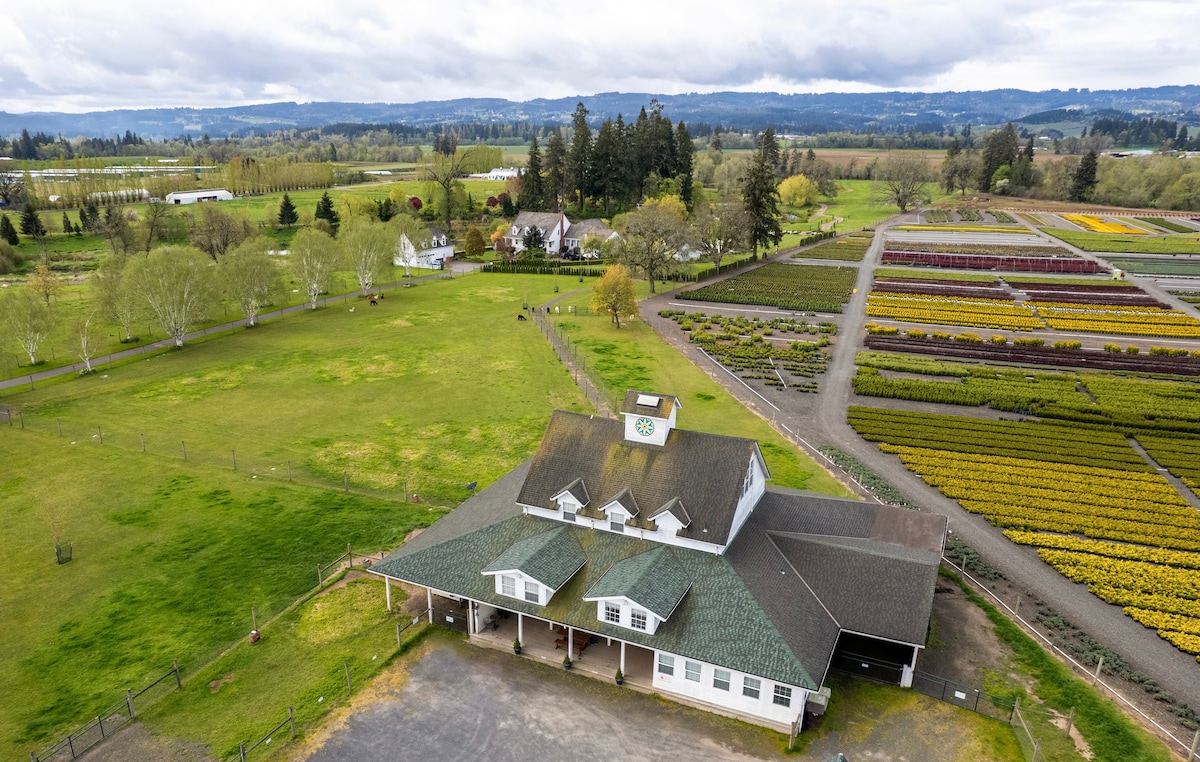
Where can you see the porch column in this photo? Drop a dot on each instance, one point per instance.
(520, 627)
(470, 617)
(387, 587)
(570, 640)
(429, 602)
(622, 657)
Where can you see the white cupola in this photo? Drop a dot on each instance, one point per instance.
(649, 418)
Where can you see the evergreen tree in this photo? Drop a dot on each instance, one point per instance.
(66, 224)
(8, 233)
(760, 196)
(579, 159)
(533, 193)
(999, 149)
(288, 215)
(768, 146)
(31, 223)
(948, 165)
(556, 171)
(683, 163)
(325, 211)
(608, 164)
(1085, 177)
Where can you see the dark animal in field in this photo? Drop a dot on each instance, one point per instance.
(521, 317)
(374, 302)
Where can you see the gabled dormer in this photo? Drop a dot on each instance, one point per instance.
(570, 499)
(671, 517)
(534, 569)
(649, 418)
(620, 510)
(640, 592)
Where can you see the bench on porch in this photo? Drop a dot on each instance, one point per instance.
(580, 641)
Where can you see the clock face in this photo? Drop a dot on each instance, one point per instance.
(644, 426)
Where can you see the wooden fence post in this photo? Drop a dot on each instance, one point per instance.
(178, 682)
(129, 703)
(292, 721)
(349, 686)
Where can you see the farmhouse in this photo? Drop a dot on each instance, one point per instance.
(500, 174)
(432, 252)
(198, 196)
(630, 543)
(559, 234)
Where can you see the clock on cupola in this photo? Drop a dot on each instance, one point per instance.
(649, 418)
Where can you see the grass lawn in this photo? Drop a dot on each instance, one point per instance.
(634, 357)
(300, 662)
(169, 557)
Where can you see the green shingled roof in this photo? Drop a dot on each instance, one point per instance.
(718, 621)
(550, 558)
(654, 580)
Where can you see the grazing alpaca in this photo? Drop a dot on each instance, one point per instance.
(352, 309)
(521, 317)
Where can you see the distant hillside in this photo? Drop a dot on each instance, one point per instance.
(804, 113)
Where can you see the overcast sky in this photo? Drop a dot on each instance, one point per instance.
(72, 55)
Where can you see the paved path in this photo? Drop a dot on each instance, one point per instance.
(819, 420)
(30, 379)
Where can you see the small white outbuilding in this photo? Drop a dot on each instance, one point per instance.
(198, 196)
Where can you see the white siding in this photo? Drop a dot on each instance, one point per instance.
(627, 607)
(522, 583)
(763, 707)
(756, 485)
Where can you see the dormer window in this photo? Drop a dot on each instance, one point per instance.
(616, 523)
(637, 619)
(612, 613)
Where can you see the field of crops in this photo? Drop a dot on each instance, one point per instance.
(851, 248)
(944, 310)
(1157, 265)
(1032, 264)
(1009, 250)
(753, 349)
(1098, 513)
(1100, 225)
(1180, 456)
(1166, 224)
(1131, 404)
(1120, 320)
(1107, 242)
(804, 288)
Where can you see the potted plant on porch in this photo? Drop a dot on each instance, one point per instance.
(620, 677)
(566, 662)
(516, 645)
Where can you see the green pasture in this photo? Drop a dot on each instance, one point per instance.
(169, 558)
(1127, 244)
(77, 299)
(301, 662)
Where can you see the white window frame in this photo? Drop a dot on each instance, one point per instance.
(751, 687)
(666, 664)
(534, 589)
(616, 524)
(721, 676)
(691, 671)
(508, 585)
(612, 613)
(782, 696)
(636, 616)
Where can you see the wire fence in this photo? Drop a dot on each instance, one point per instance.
(108, 721)
(568, 353)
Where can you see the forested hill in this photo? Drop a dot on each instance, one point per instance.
(803, 113)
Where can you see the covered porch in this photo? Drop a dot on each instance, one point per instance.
(593, 655)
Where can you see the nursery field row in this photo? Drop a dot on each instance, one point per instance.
(1166, 224)
(938, 310)
(792, 367)
(1100, 225)
(742, 325)
(1050, 442)
(946, 289)
(1181, 457)
(804, 288)
(985, 249)
(851, 248)
(1052, 264)
(1120, 320)
(1064, 500)
(919, 342)
(1131, 403)
(1175, 558)
(1127, 244)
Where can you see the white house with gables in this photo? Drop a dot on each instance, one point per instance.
(559, 234)
(631, 543)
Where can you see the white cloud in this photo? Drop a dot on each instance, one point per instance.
(74, 56)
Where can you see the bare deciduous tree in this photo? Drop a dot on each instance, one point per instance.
(28, 319)
(314, 257)
(903, 179)
(250, 277)
(177, 284)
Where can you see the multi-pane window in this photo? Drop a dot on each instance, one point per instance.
(568, 513)
(691, 670)
(721, 679)
(783, 695)
(612, 613)
(637, 619)
(666, 664)
(508, 585)
(531, 592)
(617, 524)
(750, 686)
